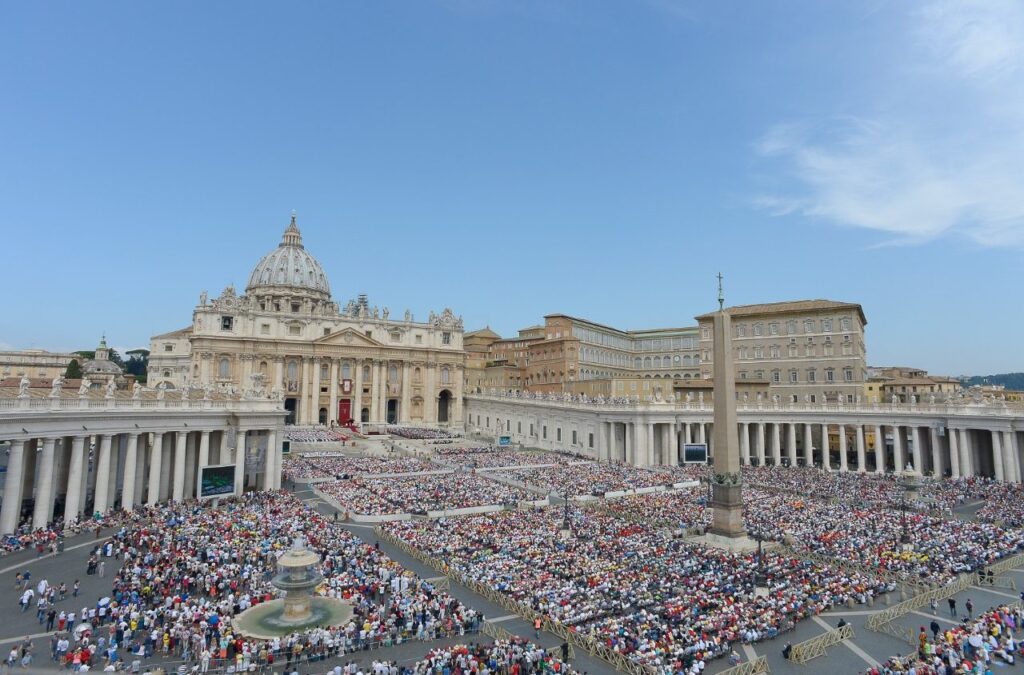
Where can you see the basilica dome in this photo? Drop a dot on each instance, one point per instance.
(289, 266)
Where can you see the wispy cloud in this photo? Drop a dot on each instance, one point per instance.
(914, 175)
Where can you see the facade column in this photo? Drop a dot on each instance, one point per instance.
(156, 456)
(240, 461)
(954, 453)
(776, 444)
(44, 489)
(649, 453)
(73, 498)
(314, 409)
(103, 476)
(278, 374)
(404, 408)
(357, 392)
(861, 459)
(204, 367)
(270, 461)
(897, 448)
(701, 438)
(744, 443)
(178, 489)
(808, 446)
(332, 409)
(791, 443)
(760, 444)
(304, 416)
(880, 454)
(128, 485)
(687, 438)
(11, 510)
(842, 449)
(933, 441)
(915, 438)
(191, 462)
(997, 454)
(375, 391)
(204, 460)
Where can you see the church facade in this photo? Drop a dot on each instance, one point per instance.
(286, 337)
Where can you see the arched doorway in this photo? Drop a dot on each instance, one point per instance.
(289, 406)
(323, 416)
(392, 412)
(364, 415)
(444, 402)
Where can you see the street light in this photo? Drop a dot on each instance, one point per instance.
(760, 578)
(566, 531)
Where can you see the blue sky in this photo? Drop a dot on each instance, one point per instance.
(604, 159)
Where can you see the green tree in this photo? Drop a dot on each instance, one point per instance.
(137, 364)
(74, 371)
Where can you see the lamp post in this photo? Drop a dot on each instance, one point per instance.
(760, 578)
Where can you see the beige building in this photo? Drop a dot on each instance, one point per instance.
(809, 350)
(906, 383)
(35, 363)
(649, 389)
(286, 337)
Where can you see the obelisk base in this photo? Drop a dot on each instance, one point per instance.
(727, 510)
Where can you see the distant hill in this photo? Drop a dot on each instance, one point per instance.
(1009, 380)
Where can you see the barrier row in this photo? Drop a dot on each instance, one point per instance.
(818, 645)
(755, 667)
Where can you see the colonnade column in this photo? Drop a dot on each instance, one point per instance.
(760, 444)
(791, 443)
(649, 453)
(897, 448)
(12, 488)
(997, 455)
(156, 456)
(808, 445)
(842, 448)
(240, 461)
(687, 438)
(880, 459)
(776, 444)
(744, 443)
(375, 391)
(44, 491)
(966, 463)
(933, 441)
(861, 459)
(278, 374)
(332, 410)
(1010, 457)
(178, 489)
(270, 465)
(130, 458)
(954, 453)
(102, 476)
(203, 460)
(915, 438)
(73, 497)
(826, 461)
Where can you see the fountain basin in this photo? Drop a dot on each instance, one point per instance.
(272, 619)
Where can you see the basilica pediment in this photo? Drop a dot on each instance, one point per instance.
(348, 337)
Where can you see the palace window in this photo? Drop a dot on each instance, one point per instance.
(446, 338)
(296, 307)
(444, 376)
(295, 330)
(396, 336)
(293, 371)
(558, 434)
(224, 368)
(392, 373)
(773, 328)
(327, 331)
(265, 328)
(366, 373)
(776, 377)
(848, 375)
(830, 375)
(810, 376)
(346, 371)
(809, 326)
(741, 331)
(324, 372)
(758, 329)
(826, 325)
(758, 352)
(791, 327)
(844, 324)
(706, 334)
(168, 348)
(167, 373)
(227, 323)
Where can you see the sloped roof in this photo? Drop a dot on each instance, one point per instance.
(790, 306)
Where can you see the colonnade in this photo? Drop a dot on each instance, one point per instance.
(969, 440)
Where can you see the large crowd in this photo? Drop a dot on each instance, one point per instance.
(302, 468)
(488, 457)
(592, 478)
(420, 433)
(637, 590)
(417, 494)
(188, 570)
(317, 435)
(972, 646)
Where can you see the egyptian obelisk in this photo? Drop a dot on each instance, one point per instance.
(727, 487)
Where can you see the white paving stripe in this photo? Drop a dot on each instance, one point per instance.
(94, 542)
(749, 652)
(867, 658)
(991, 590)
(947, 619)
(507, 617)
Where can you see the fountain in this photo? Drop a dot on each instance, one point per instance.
(298, 575)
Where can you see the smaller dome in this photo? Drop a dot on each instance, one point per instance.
(289, 266)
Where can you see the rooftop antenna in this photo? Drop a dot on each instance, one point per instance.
(721, 294)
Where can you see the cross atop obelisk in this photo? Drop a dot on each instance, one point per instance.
(721, 294)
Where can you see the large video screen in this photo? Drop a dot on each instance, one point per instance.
(217, 481)
(695, 453)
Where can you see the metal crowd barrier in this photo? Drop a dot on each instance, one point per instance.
(817, 646)
(755, 667)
